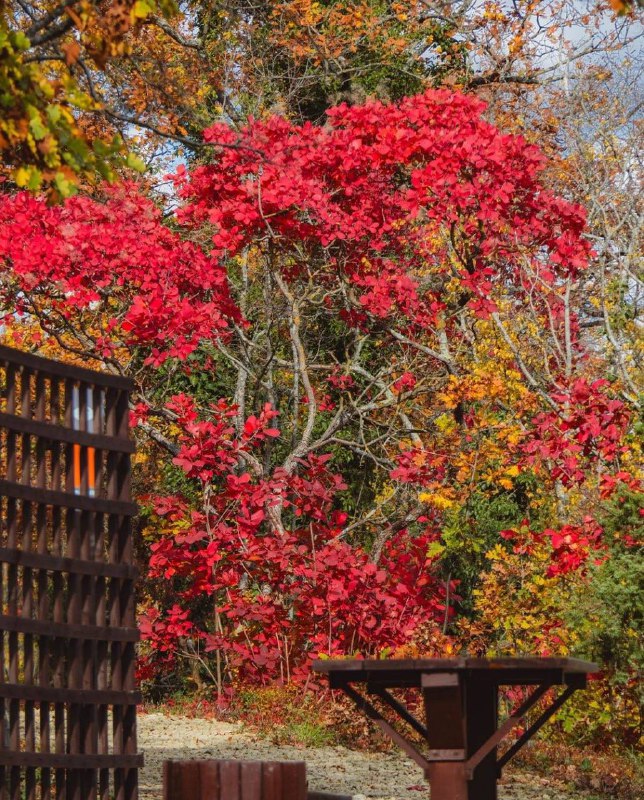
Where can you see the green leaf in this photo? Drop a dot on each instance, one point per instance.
(35, 180)
(79, 148)
(37, 128)
(64, 185)
(20, 41)
(71, 161)
(142, 9)
(168, 7)
(435, 549)
(77, 98)
(100, 148)
(135, 162)
(54, 113)
(28, 178)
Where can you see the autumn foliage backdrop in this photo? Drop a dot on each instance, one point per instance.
(377, 286)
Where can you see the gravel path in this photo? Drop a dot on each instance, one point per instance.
(334, 769)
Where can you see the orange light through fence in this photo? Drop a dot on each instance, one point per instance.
(91, 470)
(91, 452)
(77, 469)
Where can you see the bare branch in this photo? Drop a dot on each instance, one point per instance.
(159, 22)
(158, 437)
(301, 367)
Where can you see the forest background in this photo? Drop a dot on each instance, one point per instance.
(387, 356)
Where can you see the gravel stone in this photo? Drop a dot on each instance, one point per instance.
(363, 775)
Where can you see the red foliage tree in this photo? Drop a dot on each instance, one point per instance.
(404, 218)
(386, 191)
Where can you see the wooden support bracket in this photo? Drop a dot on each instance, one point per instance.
(513, 720)
(365, 706)
(530, 732)
(400, 709)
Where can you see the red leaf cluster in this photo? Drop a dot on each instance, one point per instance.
(571, 546)
(588, 425)
(278, 598)
(164, 293)
(383, 190)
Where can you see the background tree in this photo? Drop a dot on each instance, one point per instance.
(82, 78)
(76, 76)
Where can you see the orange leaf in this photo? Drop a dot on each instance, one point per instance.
(71, 51)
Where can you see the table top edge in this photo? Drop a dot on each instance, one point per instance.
(567, 665)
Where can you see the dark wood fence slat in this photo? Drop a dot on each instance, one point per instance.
(51, 432)
(172, 780)
(70, 761)
(73, 611)
(229, 780)
(48, 694)
(209, 777)
(26, 600)
(271, 781)
(191, 780)
(294, 780)
(62, 370)
(66, 499)
(68, 630)
(251, 780)
(48, 563)
(44, 645)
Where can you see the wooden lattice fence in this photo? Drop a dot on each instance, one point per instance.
(67, 616)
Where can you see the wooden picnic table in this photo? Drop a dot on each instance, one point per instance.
(460, 697)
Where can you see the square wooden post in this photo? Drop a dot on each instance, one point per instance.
(481, 717)
(461, 715)
(444, 710)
